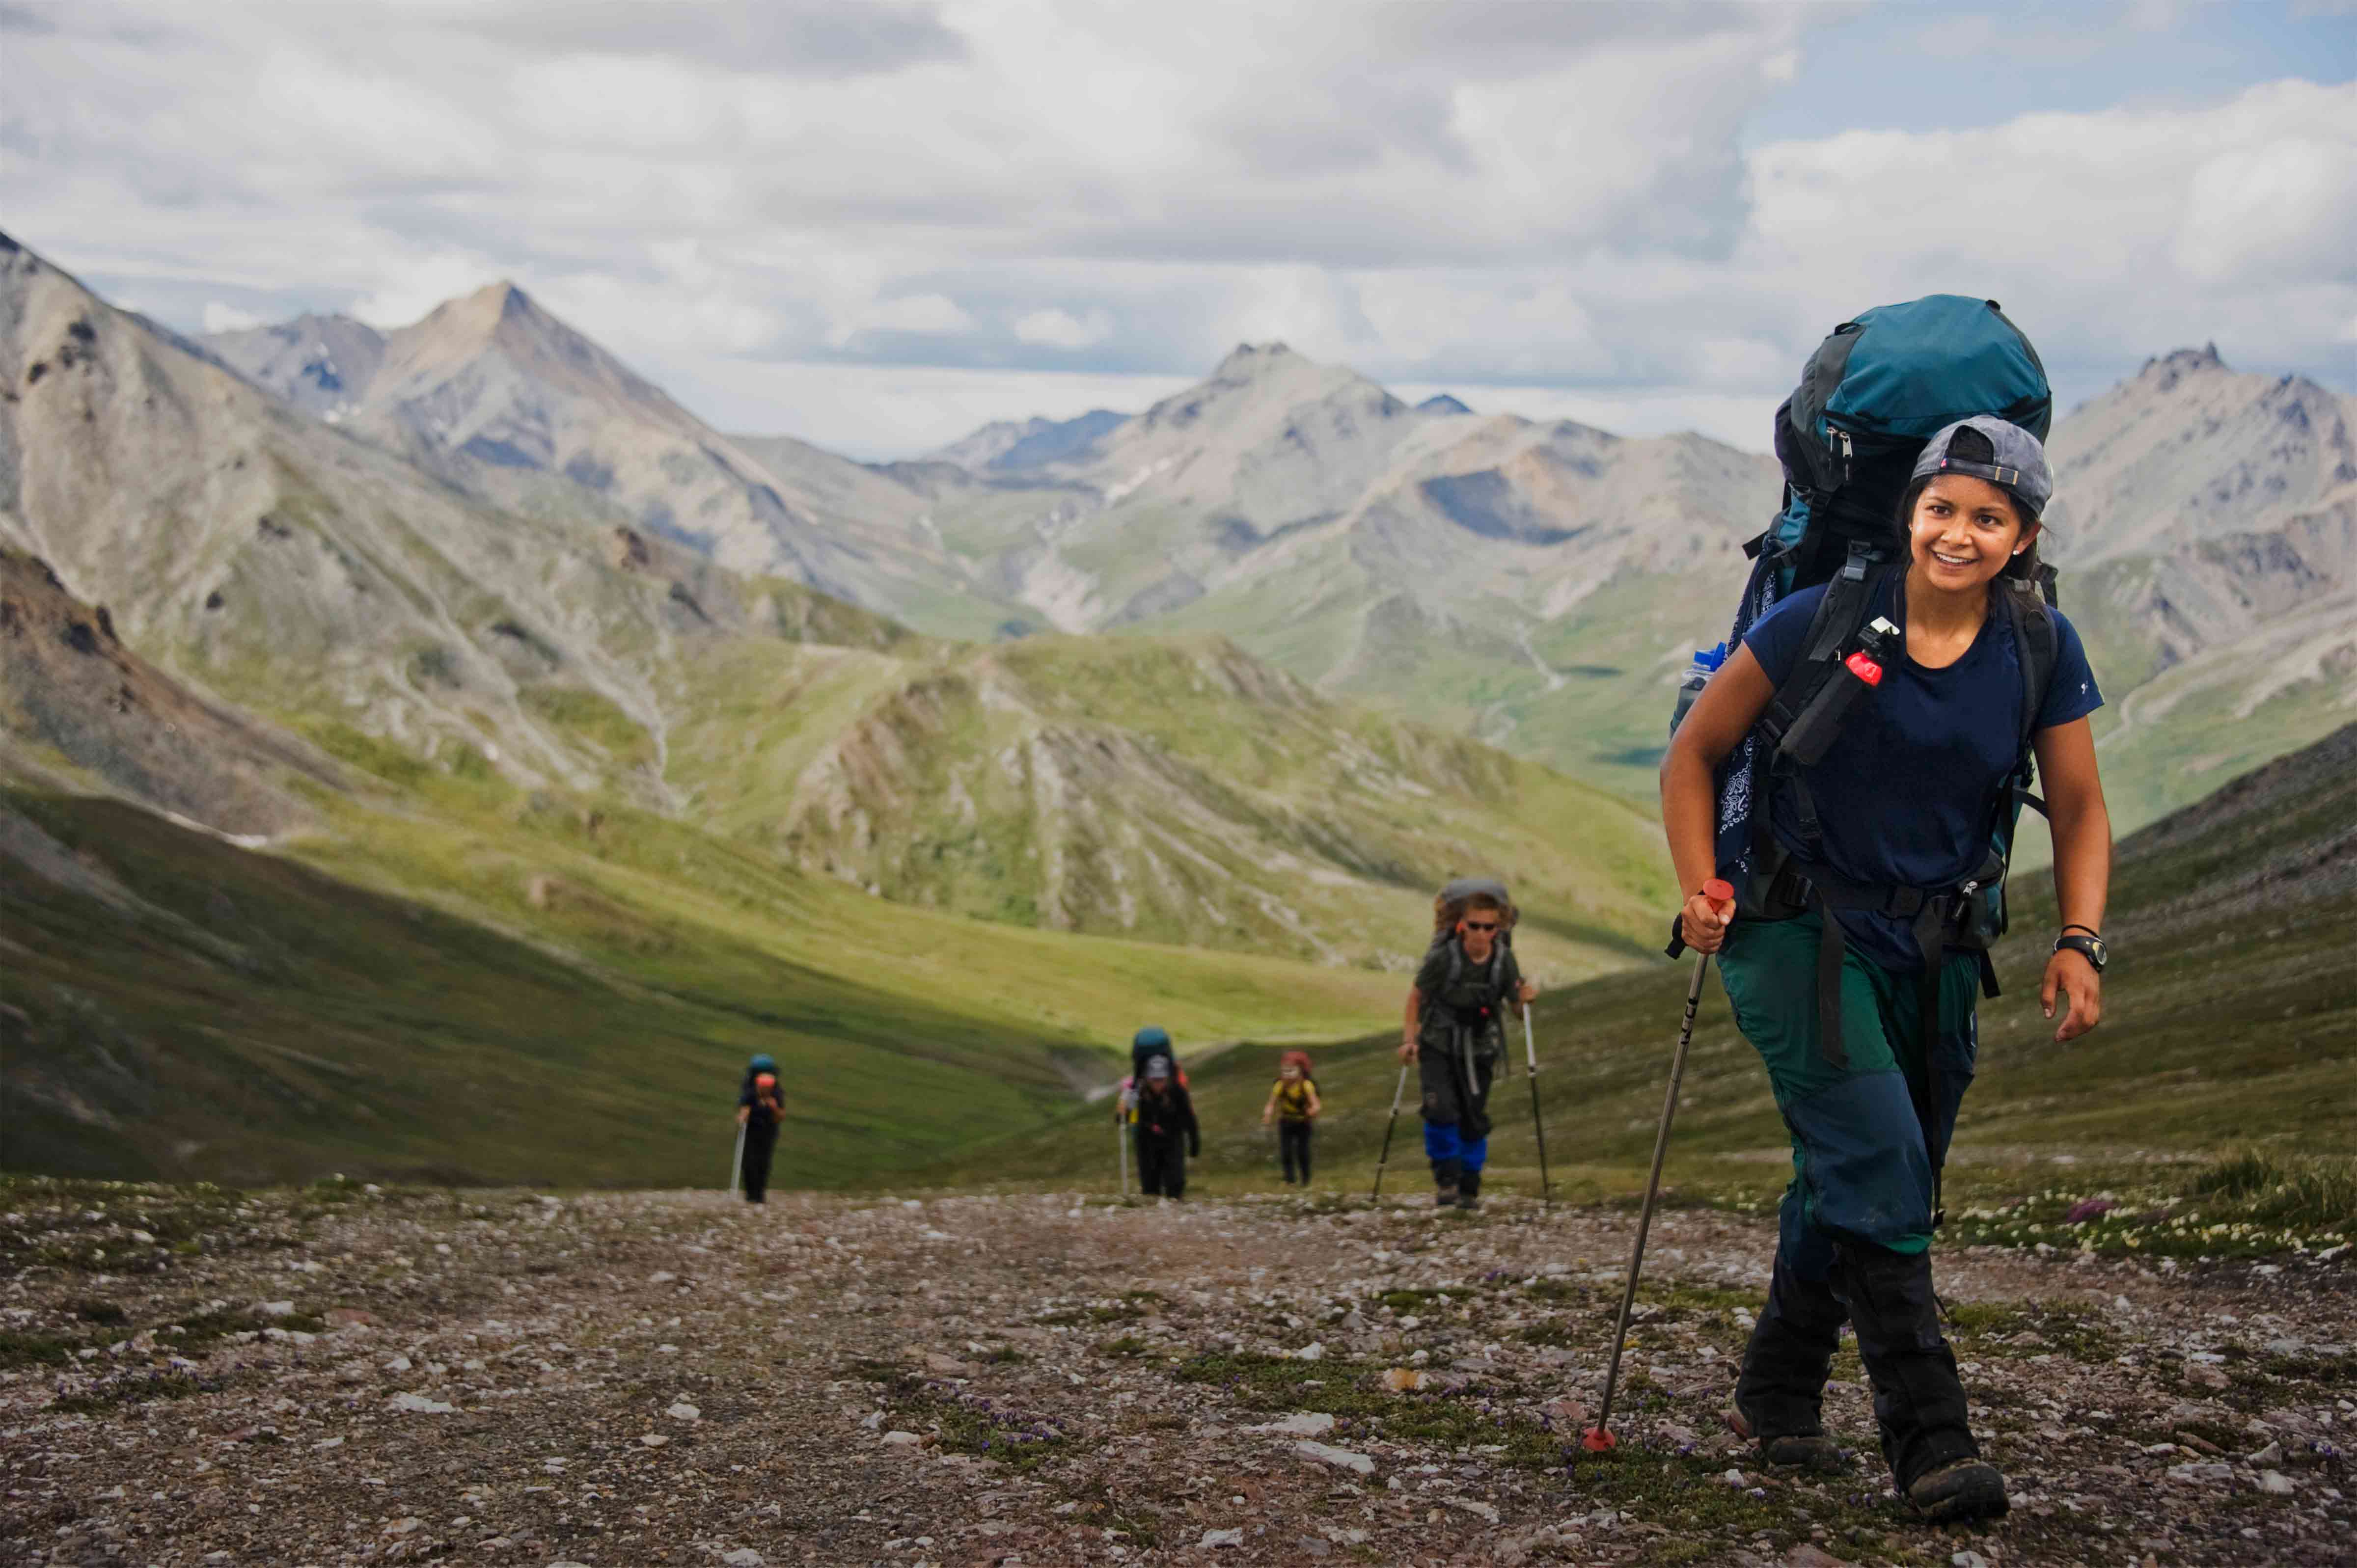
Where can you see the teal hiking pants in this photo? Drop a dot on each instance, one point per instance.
(1862, 1154)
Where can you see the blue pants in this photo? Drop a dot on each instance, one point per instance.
(1443, 1145)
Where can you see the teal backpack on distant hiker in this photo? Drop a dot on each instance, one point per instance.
(1870, 397)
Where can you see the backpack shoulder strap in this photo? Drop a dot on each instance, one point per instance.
(1839, 615)
(2037, 647)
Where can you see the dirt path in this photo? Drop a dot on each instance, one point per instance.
(669, 1378)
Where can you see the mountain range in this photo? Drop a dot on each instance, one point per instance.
(1537, 585)
(402, 577)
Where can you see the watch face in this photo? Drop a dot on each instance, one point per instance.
(2091, 949)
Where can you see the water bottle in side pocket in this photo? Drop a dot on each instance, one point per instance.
(1707, 662)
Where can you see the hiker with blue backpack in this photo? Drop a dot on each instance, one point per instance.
(1855, 768)
(761, 1108)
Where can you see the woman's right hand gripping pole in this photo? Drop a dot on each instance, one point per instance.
(1707, 916)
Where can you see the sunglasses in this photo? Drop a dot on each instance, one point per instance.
(1480, 925)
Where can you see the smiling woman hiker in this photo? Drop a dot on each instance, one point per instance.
(1854, 964)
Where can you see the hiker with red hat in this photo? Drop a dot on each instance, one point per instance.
(1294, 1106)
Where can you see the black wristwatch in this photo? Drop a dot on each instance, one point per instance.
(2091, 948)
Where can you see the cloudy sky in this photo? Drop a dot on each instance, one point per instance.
(874, 225)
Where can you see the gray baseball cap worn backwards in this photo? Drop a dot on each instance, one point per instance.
(1986, 447)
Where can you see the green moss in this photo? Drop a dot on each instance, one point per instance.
(22, 1349)
(2032, 1328)
(134, 1388)
(1353, 1394)
(966, 1423)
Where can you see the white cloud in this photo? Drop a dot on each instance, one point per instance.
(2109, 235)
(221, 317)
(2290, 204)
(1544, 200)
(642, 104)
(934, 314)
(1062, 329)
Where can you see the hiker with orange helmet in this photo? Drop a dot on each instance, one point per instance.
(1294, 1106)
(760, 1107)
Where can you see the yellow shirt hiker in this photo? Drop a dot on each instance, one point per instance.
(1293, 1105)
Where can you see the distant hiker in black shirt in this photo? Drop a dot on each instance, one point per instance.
(759, 1109)
(1455, 1031)
(1166, 1131)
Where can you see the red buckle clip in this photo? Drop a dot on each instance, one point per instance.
(1864, 668)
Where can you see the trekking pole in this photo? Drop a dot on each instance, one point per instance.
(1121, 1148)
(1538, 1123)
(1384, 1158)
(736, 1163)
(1598, 1439)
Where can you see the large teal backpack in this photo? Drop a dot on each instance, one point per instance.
(1868, 398)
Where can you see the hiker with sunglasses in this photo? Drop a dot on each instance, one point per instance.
(1455, 1031)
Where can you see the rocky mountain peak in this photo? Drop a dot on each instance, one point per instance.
(1442, 402)
(2164, 371)
(1247, 361)
(483, 315)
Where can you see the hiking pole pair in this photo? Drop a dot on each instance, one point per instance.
(1598, 1439)
(737, 1162)
(1385, 1157)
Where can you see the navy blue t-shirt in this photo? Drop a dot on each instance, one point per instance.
(1903, 793)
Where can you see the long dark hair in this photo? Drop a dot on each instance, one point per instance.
(2025, 565)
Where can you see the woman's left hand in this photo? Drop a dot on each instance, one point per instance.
(1530, 993)
(2069, 974)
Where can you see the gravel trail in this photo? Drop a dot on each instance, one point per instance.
(337, 1375)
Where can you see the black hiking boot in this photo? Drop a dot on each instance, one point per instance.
(1918, 1400)
(1469, 1190)
(1959, 1490)
(1799, 1450)
(1445, 1197)
(1777, 1403)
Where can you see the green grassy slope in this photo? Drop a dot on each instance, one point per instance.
(477, 984)
(1588, 694)
(2231, 1019)
(1173, 790)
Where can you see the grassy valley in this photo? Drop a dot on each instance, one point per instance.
(2230, 1021)
(473, 983)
